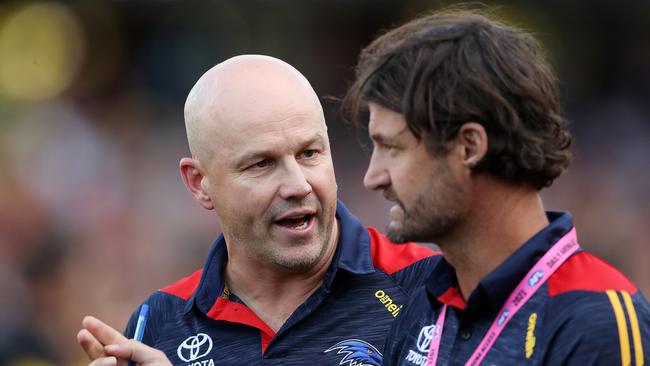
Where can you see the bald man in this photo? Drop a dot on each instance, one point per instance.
(295, 277)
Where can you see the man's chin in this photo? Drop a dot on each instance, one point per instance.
(299, 257)
(298, 263)
(396, 234)
(400, 234)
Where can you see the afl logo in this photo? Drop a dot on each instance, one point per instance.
(535, 277)
(502, 318)
(194, 347)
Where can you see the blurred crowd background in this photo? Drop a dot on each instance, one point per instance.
(94, 215)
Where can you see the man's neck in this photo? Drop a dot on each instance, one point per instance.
(500, 222)
(274, 294)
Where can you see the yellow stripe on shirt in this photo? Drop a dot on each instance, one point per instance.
(623, 338)
(636, 333)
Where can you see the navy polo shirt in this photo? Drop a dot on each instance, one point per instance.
(587, 313)
(197, 321)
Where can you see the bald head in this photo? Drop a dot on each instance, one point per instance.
(244, 90)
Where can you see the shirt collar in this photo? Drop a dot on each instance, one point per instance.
(353, 252)
(352, 255)
(212, 284)
(495, 288)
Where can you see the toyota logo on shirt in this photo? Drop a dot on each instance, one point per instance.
(195, 347)
(424, 339)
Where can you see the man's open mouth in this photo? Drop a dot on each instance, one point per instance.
(296, 222)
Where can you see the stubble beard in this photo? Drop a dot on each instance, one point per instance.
(434, 213)
(306, 261)
(422, 225)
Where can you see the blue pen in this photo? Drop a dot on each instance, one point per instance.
(142, 322)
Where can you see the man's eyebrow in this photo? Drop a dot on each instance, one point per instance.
(261, 153)
(379, 137)
(246, 157)
(244, 160)
(317, 137)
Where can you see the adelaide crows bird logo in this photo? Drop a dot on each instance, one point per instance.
(357, 353)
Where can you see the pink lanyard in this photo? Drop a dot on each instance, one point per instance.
(533, 280)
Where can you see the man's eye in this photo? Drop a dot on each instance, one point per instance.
(383, 145)
(261, 164)
(309, 153)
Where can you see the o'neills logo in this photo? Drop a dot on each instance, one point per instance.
(392, 308)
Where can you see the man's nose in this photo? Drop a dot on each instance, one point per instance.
(295, 183)
(376, 176)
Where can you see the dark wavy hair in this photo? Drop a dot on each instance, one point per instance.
(456, 66)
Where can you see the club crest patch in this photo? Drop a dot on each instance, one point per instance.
(357, 353)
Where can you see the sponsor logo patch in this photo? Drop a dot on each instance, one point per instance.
(427, 334)
(195, 347)
(388, 303)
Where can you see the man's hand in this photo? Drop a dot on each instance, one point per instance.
(95, 335)
(106, 346)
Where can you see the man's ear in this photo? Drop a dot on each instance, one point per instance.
(193, 177)
(473, 138)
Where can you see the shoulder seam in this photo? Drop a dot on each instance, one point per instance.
(435, 255)
(603, 276)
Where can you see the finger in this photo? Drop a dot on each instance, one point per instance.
(104, 361)
(137, 352)
(102, 332)
(90, 344)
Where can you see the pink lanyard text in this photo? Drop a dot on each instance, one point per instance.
(533, 280)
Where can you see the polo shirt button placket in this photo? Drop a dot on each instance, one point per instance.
(465, 334)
